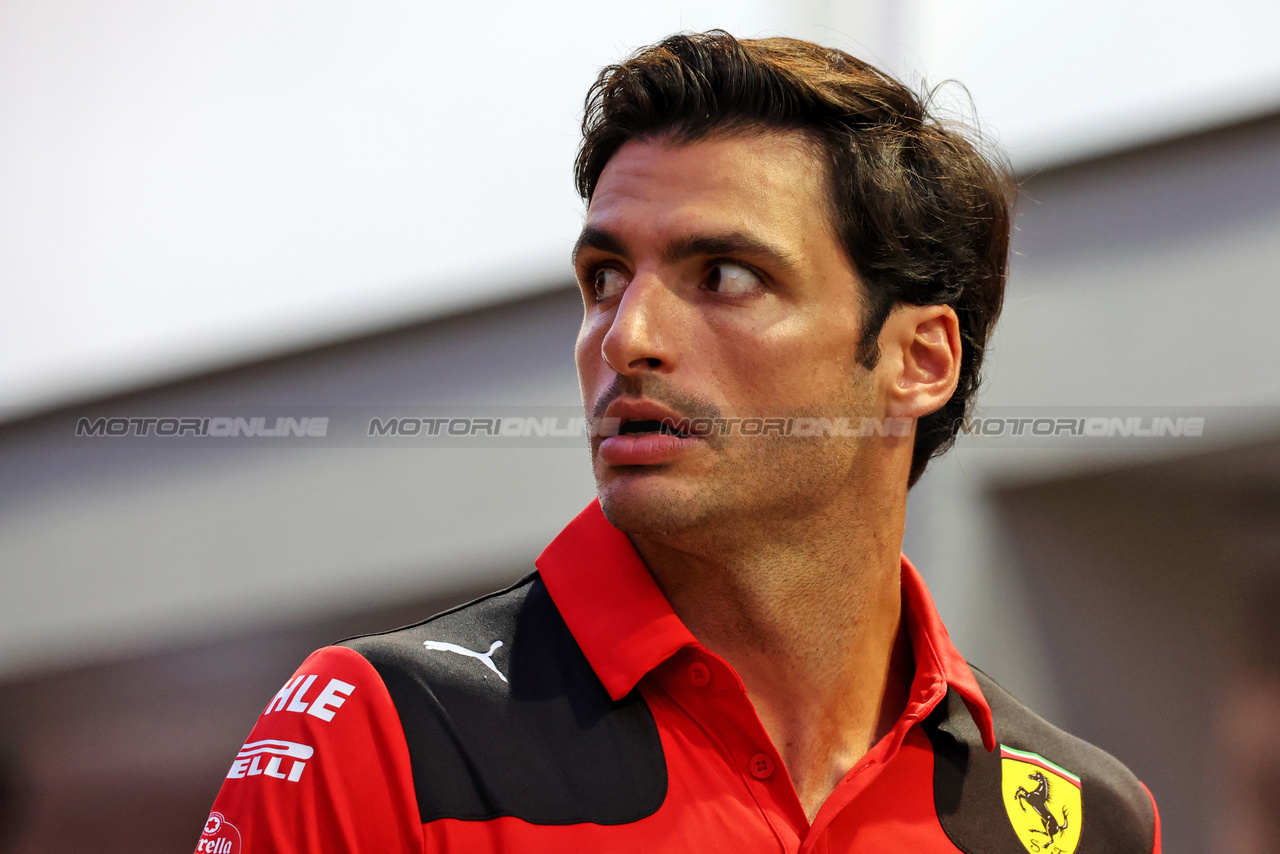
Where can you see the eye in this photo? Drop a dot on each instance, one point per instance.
(732, 279)
(608, 283)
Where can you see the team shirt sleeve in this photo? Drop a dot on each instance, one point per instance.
(1155, 844)
(324, 771)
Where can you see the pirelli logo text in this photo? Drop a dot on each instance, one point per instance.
(268, 758)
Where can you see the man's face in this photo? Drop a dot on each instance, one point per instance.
(714, 287)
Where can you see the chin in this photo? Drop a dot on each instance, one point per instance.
(643, 505)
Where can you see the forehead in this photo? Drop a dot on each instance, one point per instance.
(767, 182)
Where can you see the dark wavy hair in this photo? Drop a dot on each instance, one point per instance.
(921, 209)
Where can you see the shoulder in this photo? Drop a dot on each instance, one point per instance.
(486, 655)
(471, 644)
(503, 716)
(1041, 787)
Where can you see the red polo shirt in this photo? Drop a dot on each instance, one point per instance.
(713, 738)
(341, 762)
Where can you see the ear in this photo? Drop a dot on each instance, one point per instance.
(920, 351)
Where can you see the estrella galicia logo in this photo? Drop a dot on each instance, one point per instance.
(219, 837)
(1042, 800)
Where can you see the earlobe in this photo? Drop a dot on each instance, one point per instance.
(926, 344)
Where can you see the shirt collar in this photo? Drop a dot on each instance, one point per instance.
(935, 653)
(626, 628)
(610, 602)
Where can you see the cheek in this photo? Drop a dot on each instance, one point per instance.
(587, 354)
(794, 370)
(587, 334)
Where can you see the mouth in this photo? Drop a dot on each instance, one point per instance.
(646, 434)
(650, 426)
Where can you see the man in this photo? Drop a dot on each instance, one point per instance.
(789, 274)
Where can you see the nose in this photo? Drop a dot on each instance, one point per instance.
(641, 333)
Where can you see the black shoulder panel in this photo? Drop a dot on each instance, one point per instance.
(1116, 816)
(535, 736)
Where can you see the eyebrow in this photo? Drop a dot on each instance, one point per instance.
(597, 238)
(691, 246)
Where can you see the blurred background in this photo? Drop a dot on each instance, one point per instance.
(349, 211)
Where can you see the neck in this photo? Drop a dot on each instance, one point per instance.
(808, 612)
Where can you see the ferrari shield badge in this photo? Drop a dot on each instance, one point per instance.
(1042, 800)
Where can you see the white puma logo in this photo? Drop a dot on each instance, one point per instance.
(486, 657)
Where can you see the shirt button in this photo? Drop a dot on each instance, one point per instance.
(699, 674)
(761, 766)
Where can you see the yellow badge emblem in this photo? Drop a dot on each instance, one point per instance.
(1042, 800)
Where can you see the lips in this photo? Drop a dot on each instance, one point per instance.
(647, 434)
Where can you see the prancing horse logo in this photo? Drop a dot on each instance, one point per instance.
(486, 657)
(1038, 800)
(1047, 815)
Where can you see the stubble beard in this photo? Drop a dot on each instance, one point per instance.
(738, 487)
(750, 485)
